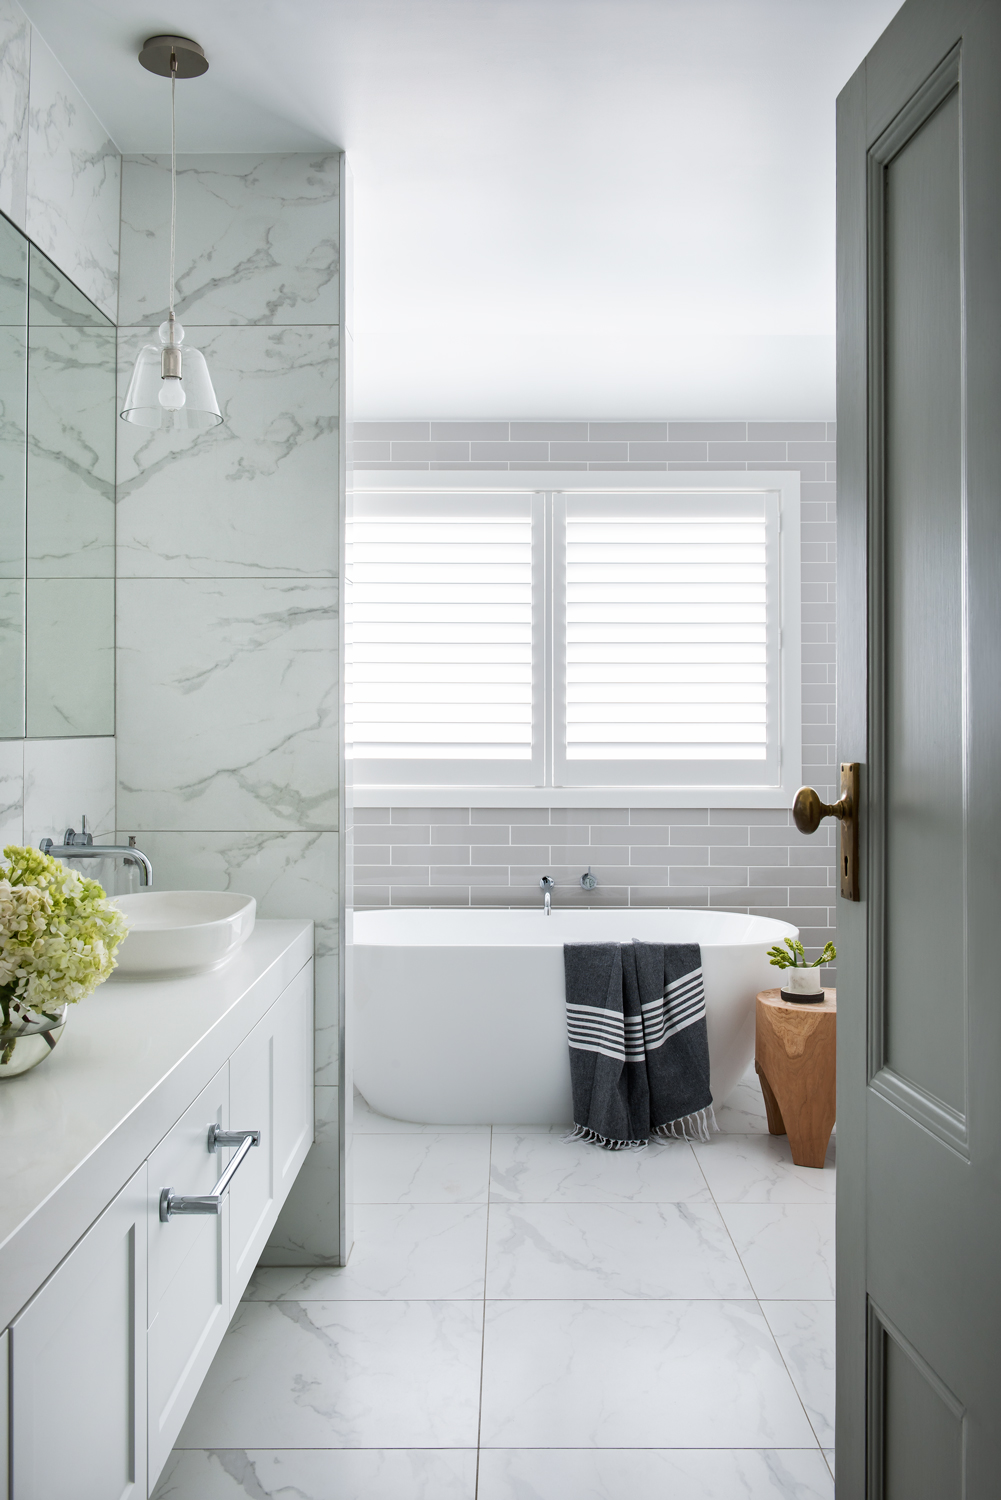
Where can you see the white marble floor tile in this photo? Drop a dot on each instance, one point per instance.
(630, 1250)
(368, 1121)
(421, 1168)
(342, 1375)
(636, 1374)
(804, 1332)
(829, 1455)
(760, 1169)
(320, 1474)
(744, 1111)
(787, 1248)
(547, 1169)
(532, 1129)
(648, 1474)
(401, 1250)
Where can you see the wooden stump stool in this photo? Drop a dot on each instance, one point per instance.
(794, 1057)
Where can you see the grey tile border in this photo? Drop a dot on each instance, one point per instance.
(591, 452)
(388, 432)
(548, 432)
(710, 432)
(508, 451)
(787, 432)
(627, 432)
(469, 431)
(426, 451)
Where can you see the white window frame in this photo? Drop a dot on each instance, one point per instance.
(779, 781)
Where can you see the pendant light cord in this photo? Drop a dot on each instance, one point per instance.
(173, 182)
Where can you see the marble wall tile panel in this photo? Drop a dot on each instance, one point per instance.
(228, 703)
(71, 453)
(11, 792)
(64, 779)
(12, 592)
(254, 496)
(70, 658)
(13, 427)
(256, 238)
(73, 181)
(15, 49)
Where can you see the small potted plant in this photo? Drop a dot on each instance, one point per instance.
(58, 936)
(800, 980)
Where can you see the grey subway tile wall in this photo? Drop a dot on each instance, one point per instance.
(747, 860)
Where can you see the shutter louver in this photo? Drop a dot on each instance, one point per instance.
(440, 645)
(667, 637)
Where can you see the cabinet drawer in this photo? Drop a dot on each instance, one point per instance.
(188, 1269)
(78, 1367)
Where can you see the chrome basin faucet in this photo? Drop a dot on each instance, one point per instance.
(546, 884)
(81, 846)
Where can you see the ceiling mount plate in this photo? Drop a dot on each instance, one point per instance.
(157, 51)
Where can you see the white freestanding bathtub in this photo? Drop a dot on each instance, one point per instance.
(459, 1014)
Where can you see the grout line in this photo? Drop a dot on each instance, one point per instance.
(483, 1327)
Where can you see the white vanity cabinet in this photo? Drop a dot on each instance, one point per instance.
(108, 1355)
(78, 1367)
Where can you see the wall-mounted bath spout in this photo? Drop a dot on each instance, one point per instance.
(546, 884)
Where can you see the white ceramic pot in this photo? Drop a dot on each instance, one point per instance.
(800, 981)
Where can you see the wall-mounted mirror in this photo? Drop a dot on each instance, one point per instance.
(57, 501)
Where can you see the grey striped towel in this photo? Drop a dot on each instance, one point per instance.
(639, 1052)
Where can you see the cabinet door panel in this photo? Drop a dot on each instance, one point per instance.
(252, 1196)
(271, 1089)
(188, 1269)
(293, 1081)
(78, 1410)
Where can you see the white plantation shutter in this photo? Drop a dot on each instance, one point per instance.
(667, 638)
(443, 638)
(637, 635)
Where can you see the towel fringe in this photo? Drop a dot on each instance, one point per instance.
(585, 1133)
(693, 1127)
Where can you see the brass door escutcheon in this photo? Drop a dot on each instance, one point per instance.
(808, 811)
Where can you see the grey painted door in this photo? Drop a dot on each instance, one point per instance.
(919, 646)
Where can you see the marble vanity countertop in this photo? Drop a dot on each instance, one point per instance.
(131, 1060)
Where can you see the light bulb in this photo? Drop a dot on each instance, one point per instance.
(171, 396)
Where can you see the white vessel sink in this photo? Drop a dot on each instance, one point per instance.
(182, 932)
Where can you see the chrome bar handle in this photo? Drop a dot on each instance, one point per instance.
(211, 1203)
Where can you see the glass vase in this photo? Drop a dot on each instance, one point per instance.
(29, 1038)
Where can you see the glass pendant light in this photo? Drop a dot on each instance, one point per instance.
(171, 386)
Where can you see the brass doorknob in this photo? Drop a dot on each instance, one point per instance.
(808, 810)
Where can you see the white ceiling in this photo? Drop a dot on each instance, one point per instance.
(563, 207)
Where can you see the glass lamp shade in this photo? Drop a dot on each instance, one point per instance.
(188, 401)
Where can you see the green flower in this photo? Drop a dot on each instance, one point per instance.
(58, 934)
